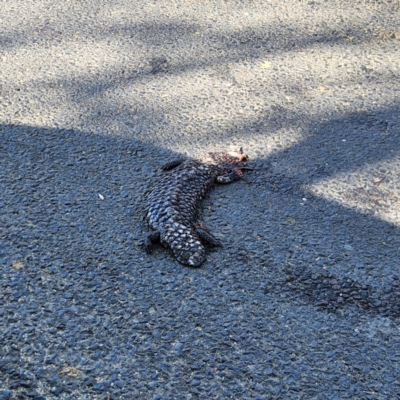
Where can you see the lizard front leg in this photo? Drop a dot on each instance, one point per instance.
(235, 175)
(172, 164)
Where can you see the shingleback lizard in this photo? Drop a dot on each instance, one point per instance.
(172, 204)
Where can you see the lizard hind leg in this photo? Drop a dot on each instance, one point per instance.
(205, 235)
(150, 240)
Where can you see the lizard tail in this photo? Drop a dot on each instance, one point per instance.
(184, 244)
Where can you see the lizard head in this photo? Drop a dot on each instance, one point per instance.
(232, 159)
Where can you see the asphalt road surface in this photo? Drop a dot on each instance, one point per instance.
(302, 300)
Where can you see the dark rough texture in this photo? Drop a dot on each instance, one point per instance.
(329, 292)
(173, 202)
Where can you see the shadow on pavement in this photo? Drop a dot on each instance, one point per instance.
(70, 197)
(78, 291)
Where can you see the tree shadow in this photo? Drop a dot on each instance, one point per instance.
(245, 46)
(72, 214)
(72, 197)
(62, 190)
(216, 49)
(337, 230)
(155, 33)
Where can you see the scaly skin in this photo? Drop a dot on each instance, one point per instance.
(172, 204)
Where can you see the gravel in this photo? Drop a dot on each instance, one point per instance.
(302, 301)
